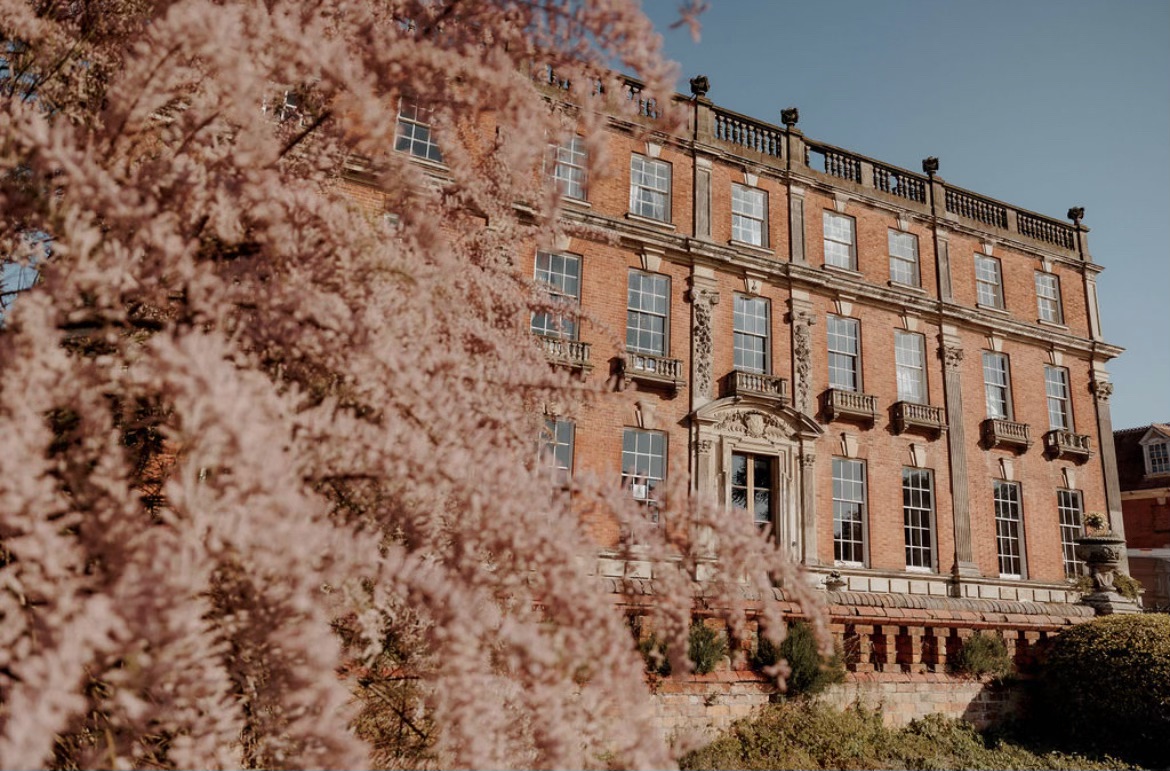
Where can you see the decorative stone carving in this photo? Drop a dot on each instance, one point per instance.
(754, 424)
(802, 351)
(1076, 214)
(704, 347)
(808, 460)
(700, 85)
(706, 446)
(952, 356)
(930, 165)
(790, 116)
(1103, 553)
(1102, 389)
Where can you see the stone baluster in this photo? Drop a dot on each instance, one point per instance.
(937, 638)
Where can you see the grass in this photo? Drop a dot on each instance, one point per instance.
(807, 735)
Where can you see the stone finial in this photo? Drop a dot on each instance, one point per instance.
(930, 165)
(790, 116)
(1076, 214)
(700, 85)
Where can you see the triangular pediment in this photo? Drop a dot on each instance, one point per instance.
(1156, 433)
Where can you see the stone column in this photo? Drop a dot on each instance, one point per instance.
(952, 356)
(1102, 391)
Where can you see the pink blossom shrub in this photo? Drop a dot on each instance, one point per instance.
(254, 435)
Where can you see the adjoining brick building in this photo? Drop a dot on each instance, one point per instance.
(1143, 463)
(901, 380)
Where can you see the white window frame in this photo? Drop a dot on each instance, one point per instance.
(650, 183)
(1056, 388)
(1009, 529)
(849, 509)
(840, 233)
(844, 352)
(560, 274)
(1070, 513)
(752, 334)
(644, 466)
(1048, 302)
(557, 445)
(570, 168)
(751, 487)
(640, 316)
(910, 366)
(997, 385)
(988, 282)
(918, 519)
(1157, 456)
(414, 134)
(903, 248)
(749, 215)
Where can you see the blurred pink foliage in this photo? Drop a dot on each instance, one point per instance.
(239, 408)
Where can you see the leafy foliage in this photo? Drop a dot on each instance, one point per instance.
(809, 671)
(1106, 684)
(803, 734)
(276, 379)
(706, 647)
(984, 653)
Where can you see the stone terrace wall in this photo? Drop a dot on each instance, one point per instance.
(698, 708)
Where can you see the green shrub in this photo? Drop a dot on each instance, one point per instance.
(706, 647)
(1106, 684)
(1127, 586)
(654, 655)
(802, 734)
(984, 654)
(811, 673)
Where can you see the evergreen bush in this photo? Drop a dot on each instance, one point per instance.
(984, 654)
(1106, 684)
(811, 673)
(706, 647)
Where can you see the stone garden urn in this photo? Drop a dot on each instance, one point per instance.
(1101, 551)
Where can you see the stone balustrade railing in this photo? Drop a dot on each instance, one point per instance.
(900, 183)
(1060, 443)
(573, 353)
(1006, 433)
(740, 383)
(742, 131)
(976, 207)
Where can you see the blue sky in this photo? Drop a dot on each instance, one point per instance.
(1045, 104)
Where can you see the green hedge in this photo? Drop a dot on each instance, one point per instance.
(811, 673)
(1106, 684)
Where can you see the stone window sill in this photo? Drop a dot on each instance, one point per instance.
(761, 250)
(1052, 324)
(993, 309)
(647, 221)
(842, 271)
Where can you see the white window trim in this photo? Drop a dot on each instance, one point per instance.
(999, 301)
(864, 517)
(665, 352)
(1058, 300)
(762, 219)
(767, 369)
(667, 217)
(574, 146)
(1151, 438)
(827, 217)
(858, 385)
(917, 283)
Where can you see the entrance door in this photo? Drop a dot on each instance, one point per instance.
(753, 483)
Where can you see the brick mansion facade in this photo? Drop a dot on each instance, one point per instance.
(901, 380)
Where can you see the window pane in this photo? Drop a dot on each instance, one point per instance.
(848, 510)
(751, 334)
(910, 360)
(903, 258)
(918, 515)
(839, 244)
(843, 349)
(1009, 538)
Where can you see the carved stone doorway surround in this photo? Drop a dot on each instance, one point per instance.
(762, 427)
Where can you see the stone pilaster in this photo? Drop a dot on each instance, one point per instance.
(796, 224)
(808, 505)
(801, 318)
(943, 258)
(952, 356)
(1102, 391)
(703, 198)
(703, 296)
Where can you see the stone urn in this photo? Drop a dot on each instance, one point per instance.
(1102, 552)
